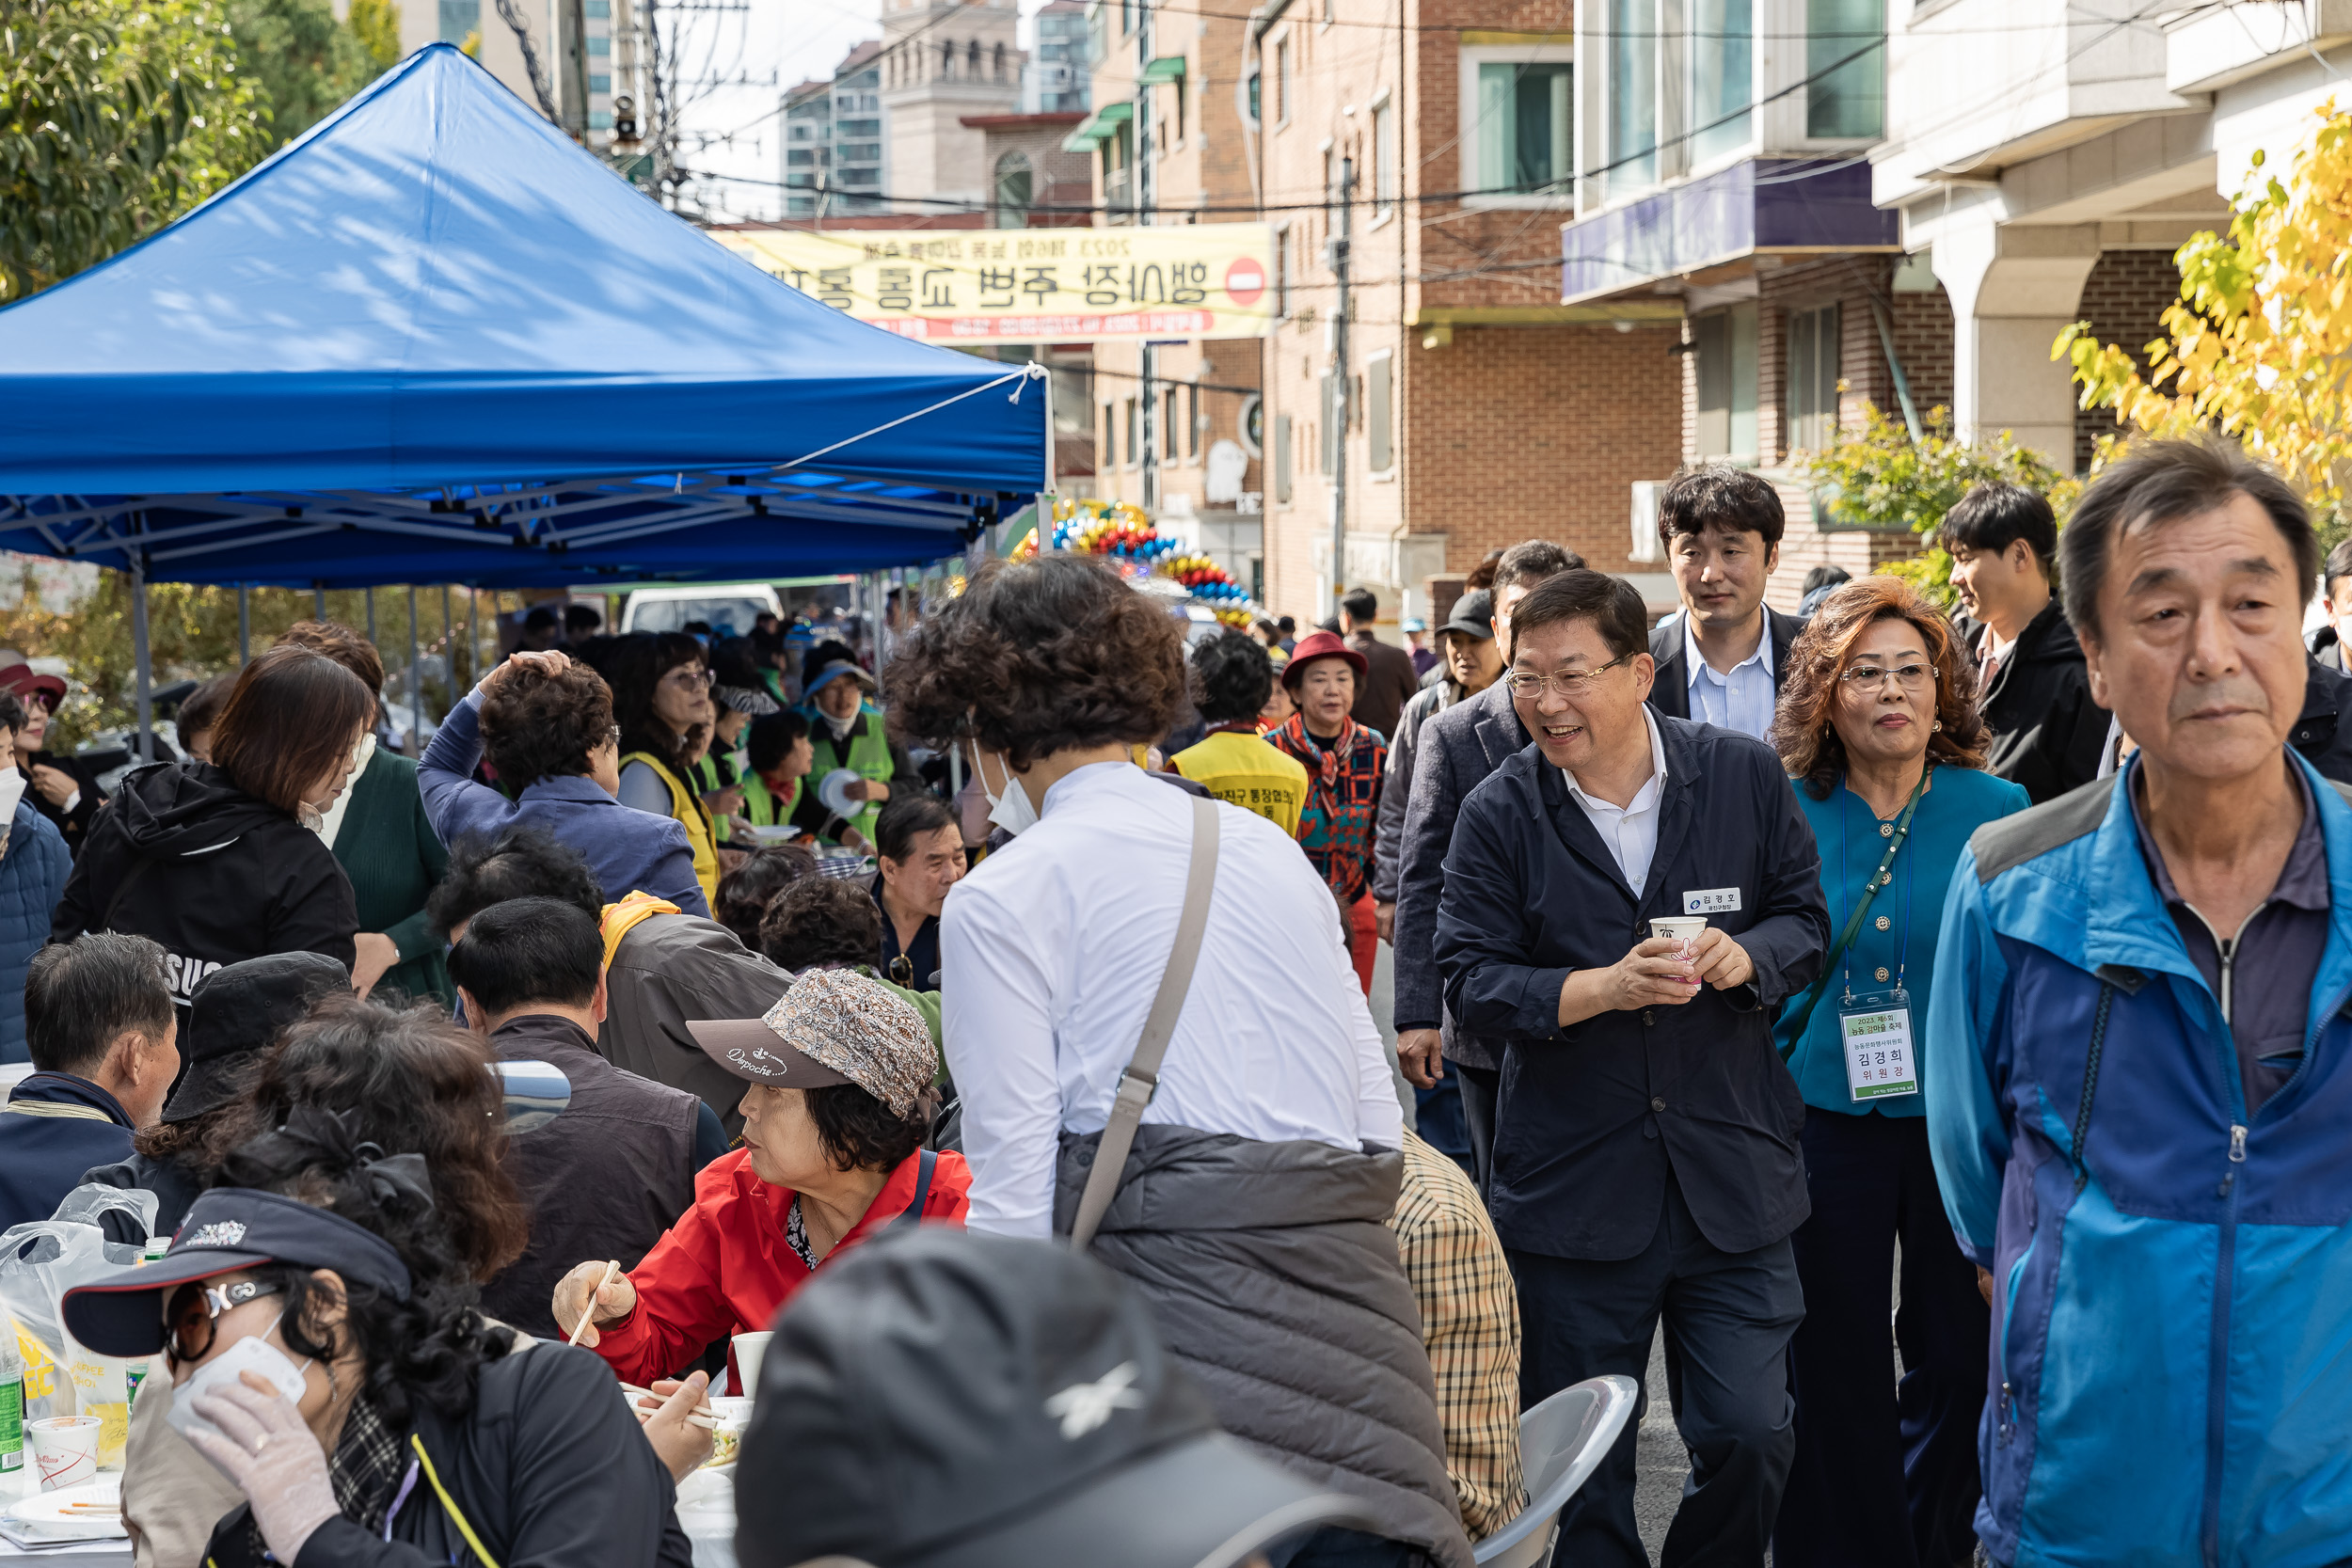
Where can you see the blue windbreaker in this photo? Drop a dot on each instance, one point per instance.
(2172, 1357)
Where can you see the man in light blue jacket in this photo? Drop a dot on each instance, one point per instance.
(2139, 1069)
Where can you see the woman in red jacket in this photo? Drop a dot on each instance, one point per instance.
(840, 1073)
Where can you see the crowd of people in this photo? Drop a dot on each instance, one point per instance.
(1926, 1023)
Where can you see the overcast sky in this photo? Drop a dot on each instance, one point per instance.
(738, 130)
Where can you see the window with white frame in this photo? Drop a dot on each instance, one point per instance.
(1518, 132)
(1845, 67)
(1282, 83)
(1384, 165)
(1812, 378)
(1630, 160)
(1722, 55)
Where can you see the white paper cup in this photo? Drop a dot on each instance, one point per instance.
(64, 1450)
(1682, 927)
(749, 1348)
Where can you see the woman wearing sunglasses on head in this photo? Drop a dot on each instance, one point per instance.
(62, 788)
(321, 1335)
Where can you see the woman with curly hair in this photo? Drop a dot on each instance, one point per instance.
(317, 1319)
(1273, 1083)
(1878, 729)
(662, 697)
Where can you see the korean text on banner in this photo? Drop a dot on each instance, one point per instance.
(1032, 285)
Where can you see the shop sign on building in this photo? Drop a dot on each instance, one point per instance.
(1031, 285)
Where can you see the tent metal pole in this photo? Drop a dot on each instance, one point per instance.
(372, 614)
(142, 677)
(448, 654)
(473, 637)
(416, 681)
(245, 625)
(318, 599)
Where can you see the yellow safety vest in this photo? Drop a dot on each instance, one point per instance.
(686, 807)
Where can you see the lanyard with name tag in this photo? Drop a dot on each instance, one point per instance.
(1876, 1028)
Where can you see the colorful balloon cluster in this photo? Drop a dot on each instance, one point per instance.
(1121, 531)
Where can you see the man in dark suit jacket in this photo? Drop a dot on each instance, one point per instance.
(1646, 1158)
(1454, 752)
(1389, 679)
(1722, 529)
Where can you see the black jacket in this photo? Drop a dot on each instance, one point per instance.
(2321, 732)
(2047, 733)
(604, 1180)
(1670, 692)
(548, 1470)
(73, 824)
(1455, 750)
(181, 855)
(175, 1187)
(1593, 1118)
(922, 955)
(56, 1126)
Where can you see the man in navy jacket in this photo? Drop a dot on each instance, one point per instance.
(1646, 1155)
(105, 1037)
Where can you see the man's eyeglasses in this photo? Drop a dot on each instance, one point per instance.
(189, 1320)
(1528, 686)
(1869, 677)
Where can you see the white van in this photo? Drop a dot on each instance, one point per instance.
(729, 608)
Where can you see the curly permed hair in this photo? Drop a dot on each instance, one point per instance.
(1809, 746)
(537, 724)
(1038, 657)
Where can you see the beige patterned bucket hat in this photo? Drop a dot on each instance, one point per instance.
(834, 1026)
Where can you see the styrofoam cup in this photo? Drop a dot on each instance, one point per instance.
(64, 1450)
(749, 1348)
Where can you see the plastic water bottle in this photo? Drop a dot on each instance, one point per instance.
(12, 1400)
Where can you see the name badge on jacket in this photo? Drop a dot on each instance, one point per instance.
(1711, 900)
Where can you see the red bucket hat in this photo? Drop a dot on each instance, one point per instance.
(24, 682)
(1321, 644)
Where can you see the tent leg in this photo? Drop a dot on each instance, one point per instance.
(318, 600)
(245, 625)
(473, 637)
(144, 747)
(370, 614)
(448, 655)
(416, 683)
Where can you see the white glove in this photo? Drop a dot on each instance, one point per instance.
(269, 1451)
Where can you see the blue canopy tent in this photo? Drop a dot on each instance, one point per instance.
(433, 340)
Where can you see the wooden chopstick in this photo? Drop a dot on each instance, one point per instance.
(611, 1270)
(701, 1415)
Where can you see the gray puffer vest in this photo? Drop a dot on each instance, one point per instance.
(1273, 1275)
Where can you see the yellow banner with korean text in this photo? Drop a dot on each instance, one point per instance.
(1031, 285)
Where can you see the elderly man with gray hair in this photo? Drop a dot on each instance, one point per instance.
(2139, 1067)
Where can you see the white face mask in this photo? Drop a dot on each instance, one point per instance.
(12, 792)
(253, 1355)
(1009, 809)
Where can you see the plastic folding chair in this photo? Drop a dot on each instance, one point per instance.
(1562, 1442)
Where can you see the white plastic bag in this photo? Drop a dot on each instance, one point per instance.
(41, 1260)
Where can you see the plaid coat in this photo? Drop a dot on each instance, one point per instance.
(1469, 1319)
(1337, 826)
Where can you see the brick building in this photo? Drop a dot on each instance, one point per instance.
(1176, 423)
(1470, 407)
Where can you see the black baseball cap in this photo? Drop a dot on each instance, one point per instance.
(236, 1010)
(944, 1399)
(226, 1229)
(1474, 616)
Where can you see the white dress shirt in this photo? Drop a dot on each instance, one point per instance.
(1740, 698)
(1050, 952)
(1630, 831)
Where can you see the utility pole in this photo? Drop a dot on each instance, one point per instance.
(1146, 192)
(1341, 388)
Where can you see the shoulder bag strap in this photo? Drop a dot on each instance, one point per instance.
(913, 1214)
(1142, 1075)
(1879, 878)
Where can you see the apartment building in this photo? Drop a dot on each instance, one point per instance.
(1446, 402)
(1059, 76)
(807, 146)
(586, 54)
(1178, 424)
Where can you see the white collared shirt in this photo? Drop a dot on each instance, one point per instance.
(1050, 952)
(1740, 698)
(1631, 830)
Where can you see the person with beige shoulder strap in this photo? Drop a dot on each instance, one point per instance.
(1161, 1047)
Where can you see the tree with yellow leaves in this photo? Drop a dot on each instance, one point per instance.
(2259, 345)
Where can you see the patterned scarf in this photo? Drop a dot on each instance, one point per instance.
(1342, 791)
(364, 1473)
